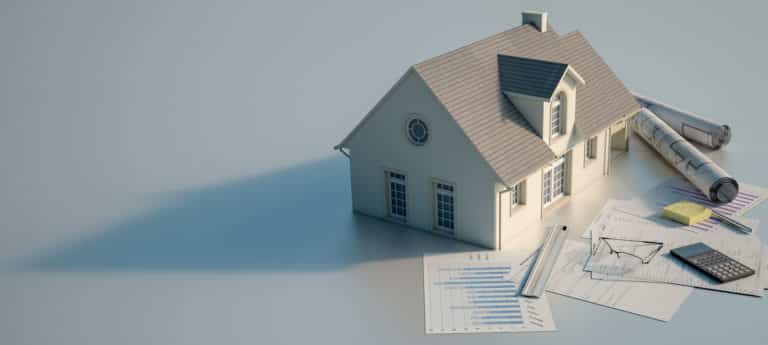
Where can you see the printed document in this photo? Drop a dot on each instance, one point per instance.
(475, 292)
(626, 247)
(656, 301)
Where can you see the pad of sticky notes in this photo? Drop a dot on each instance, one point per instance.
(686, 212)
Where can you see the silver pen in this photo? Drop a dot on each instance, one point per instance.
(738, 225)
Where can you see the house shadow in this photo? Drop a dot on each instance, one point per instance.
(296, 219)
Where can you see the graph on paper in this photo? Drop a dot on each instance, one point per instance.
(675, 190)
(475, 292)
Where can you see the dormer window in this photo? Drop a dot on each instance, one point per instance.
(544, 92)
(557, 116)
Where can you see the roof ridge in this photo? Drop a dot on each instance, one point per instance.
(571, 33)
(471, 44)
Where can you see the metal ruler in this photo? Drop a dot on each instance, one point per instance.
(541, 269)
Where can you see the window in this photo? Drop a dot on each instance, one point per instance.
(591, 149)
(547, 186)
(554, 181)
(397, 197)
(444, 207)
(558, 180)
(556, 116)
(517, 195)
(417, 131)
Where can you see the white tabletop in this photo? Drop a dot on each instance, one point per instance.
(166, 171)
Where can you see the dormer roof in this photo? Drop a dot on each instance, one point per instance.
(530, 77)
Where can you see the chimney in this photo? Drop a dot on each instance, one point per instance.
(536, 18)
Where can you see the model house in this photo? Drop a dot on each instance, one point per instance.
(481, 141)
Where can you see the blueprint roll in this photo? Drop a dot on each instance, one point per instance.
(701, 171)
(689, 126)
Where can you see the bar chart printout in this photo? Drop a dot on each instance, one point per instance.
(475, 293)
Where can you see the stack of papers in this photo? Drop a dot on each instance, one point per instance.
(623, 262)
(630, 243)
(569, 279)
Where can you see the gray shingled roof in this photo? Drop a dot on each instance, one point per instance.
(466, 81)
(537, 78)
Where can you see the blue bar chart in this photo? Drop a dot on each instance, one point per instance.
(475, 292)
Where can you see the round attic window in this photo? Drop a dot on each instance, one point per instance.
(418, 132)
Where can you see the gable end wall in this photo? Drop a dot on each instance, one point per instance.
(380, 143)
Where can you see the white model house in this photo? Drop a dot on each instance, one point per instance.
(480, 141)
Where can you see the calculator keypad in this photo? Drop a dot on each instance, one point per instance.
(721, 266)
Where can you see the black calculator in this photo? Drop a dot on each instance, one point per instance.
(712, 262)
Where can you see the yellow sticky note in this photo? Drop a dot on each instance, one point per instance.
(686, 212)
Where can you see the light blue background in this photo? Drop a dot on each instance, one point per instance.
(166, 173)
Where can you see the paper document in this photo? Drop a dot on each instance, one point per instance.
(475, 292)
(641, 213)
(656, 301)
(679, 189)
(621, 250)
(631, 211)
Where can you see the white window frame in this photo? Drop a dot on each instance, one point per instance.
(390, 180)
(440, 190)
(548, 182)
(556, 117)
(590, 149)
(546, 187)
(516, 196)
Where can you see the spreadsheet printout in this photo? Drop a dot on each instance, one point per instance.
(475, 292)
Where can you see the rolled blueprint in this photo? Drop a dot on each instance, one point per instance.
(703, 173)
(689, 126)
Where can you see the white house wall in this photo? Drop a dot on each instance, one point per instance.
(515, 219)
(583, 171)
(380, 143)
